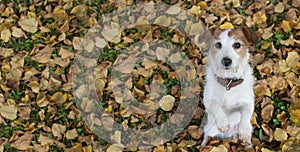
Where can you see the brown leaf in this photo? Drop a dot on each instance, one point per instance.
(58, 130)
(23, 142)
(44, 55)
(292, 59)
(71, 134)
(267, 112)
(9, 112)
(194, 131)
(125, 65)
(114, 148)
(44, 140)
(5, 35)
(280, 134)
(29, 25)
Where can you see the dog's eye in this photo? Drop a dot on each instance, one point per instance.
(218, 45)
(237, 45)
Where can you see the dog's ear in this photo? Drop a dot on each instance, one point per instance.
(215, 31)
(251, 37)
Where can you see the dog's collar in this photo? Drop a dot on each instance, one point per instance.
(228, 83)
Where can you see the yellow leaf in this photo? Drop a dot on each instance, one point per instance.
(79, 10)
(265, 45)
(285, 25)
(266, 150)
(195, 10)
(220, 148)
(279, 8)
(41, 96)
(295, 114)
(226, 25)
(259, 18)
(167, 103)
(29, 25)
(262, 89)
(59, 15)
(59, 97)
(35, 86)
(5, 35)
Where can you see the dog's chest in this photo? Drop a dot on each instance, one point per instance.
(234, 99)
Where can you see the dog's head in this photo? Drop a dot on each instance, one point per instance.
(229, 53)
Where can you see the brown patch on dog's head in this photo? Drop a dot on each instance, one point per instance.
(248, 38)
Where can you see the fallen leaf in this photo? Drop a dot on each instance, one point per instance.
(29, 25)
(279, 8)
(194, 131)
(173, 10)
(285, 25)
(267, 112)
(114, 148)
(59, 97)
(44, 55)
(44, 140)
(71, 134)
(9, 112)
(226, 25)
(259, 18)
(23, 142)
(295, 114)
(125, 65)
(58, 130)
(167, 103)
(293, 59)
(162, 54)
(220, 148)
(280, 134)
(79, 10)
(5, 35)
(163, 20)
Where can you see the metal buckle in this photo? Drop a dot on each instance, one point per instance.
(227, 86)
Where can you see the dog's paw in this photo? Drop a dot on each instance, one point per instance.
(245, 137)
(244, 133)
(224, 126)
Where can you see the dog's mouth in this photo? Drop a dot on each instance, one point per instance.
(229, 69)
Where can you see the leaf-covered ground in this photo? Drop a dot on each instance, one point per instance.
(39, 40)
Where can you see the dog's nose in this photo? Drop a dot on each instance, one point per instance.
(226, 61)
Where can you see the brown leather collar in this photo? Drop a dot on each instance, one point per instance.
(228, 83)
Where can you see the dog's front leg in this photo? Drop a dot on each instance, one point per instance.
(215, 109)
(245, 127)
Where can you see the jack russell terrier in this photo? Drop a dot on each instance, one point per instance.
(228, 93)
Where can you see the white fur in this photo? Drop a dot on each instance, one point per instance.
(229, 112)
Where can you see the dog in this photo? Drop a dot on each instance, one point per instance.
(228, 93)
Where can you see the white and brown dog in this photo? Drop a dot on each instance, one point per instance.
(228, 93)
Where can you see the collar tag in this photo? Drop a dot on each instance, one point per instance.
(228, 85)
